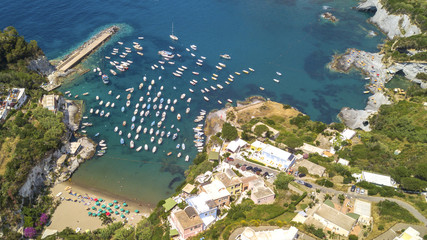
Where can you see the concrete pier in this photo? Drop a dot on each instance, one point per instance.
(76, 56)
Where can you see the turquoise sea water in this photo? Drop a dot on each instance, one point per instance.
(282, 35)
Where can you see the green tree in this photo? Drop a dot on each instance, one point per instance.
(413, 184)
(341, 197)
(282, 181)
(302, 169)
(229, 132)
(421, 171)
(352, 237)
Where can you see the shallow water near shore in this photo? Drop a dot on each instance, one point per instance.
(285, 36)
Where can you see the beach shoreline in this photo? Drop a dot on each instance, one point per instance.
(76, 201)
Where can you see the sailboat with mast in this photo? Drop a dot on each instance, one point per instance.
(173, 37)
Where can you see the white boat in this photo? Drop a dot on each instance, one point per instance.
(194, 47)
(222, 65)
(187, 158)
(174, 101)
(141, 99)
(219, 102)
(187, 110)
(172, 109)
(262, 89)
(118, 96)
(152, 139)
(191, 90)
(188, 100)
(179, 154)
(120, 132)
(206, 98)
(141, 85)
(160, 141)
(129, 135)
(219, 86)
(225, 56)
(116, 129)
(137, 136)
(132, 144)
(107, 104)
(276, 80)
(91, 110)
(138, 129)
(154, 149)
(251, 69)
(102, 113)
(151, 131)
(178, 116)
(172, 36)
(101, 102)
(113, 72)
(279, 73)
(112, 105)
(139, 148)
(146, 147)
(182, 96)
(195, 73)
(107, 114)
(127, 103)
(145, 130)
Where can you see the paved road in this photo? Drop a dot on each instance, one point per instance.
(391, 233)
(403, 204)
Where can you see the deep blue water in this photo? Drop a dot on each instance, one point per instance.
(282, 35)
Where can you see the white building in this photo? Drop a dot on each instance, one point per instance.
(363, 209)
(235, 146)
(347, 134)
(51, 102)
(276, 234)
(334, 220)
(343, 162)
(205, 207)
(272, 156)
(409, 234)
(16, 98)
(378, 179)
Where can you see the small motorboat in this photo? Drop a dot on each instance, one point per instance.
(116, 129)
(154, 149)
(178, 116)
(187, 158)
(146, 147)
(122, 141)
(183, 146)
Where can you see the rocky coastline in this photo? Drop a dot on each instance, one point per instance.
(373, 67)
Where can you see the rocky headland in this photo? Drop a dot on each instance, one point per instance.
(373, 66)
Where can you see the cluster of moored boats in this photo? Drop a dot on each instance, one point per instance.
(149, 105)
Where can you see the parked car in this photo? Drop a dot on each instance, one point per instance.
(357, 190)
(230, 159)
(249, 168)
(362, 191)
(308, 185)
(302, 175)
(300, 182)
(296, 173)
(258, 169)
(353, 188)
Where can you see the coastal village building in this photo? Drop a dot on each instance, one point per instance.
(334, 220)
(272, 156)
(236, 145)
(409, 234)
(205, 207)
(51, 102)
(378, 179)
(347, 134)
(276, 234)
(247, 182)
(313, 169)
(343, 162)
(261, 194)
(307, 148)
(231, 181)
(15, 99)
(217, 192)
(363, 209)
(187, 222)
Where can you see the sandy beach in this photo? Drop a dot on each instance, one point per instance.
(78, 201)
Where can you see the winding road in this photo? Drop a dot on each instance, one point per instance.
(403, 204)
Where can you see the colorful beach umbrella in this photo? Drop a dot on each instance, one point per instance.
(97, 204)
(122, 210)
(93, 208)
(123, 216)
(89, 213)
(127, 211)
(116, 207)
(103, 211)
(103, 206)
(137, 211)
(115, 201)
(125, 204)
(110, 204)
(96, 199)
(108, 214)
(117, 213)
(101, 200)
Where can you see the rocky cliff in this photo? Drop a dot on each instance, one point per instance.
(391, 24)
(41, 65)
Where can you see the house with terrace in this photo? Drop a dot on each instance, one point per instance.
(205, 207)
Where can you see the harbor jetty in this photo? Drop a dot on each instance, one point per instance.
(80, 53)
